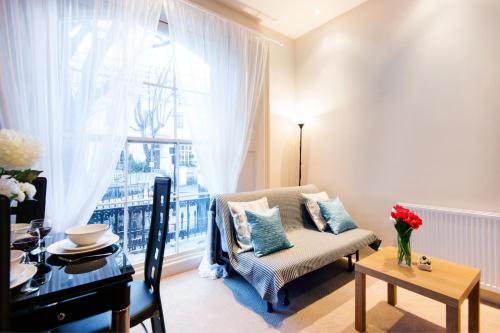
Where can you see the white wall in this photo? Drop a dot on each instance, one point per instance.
(282, 130)
(405, 103)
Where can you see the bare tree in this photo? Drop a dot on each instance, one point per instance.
(154, 115)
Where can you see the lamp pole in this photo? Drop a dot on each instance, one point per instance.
(300, 153)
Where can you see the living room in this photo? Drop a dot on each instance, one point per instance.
(320, 165)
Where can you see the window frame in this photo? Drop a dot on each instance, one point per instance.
(175, 194)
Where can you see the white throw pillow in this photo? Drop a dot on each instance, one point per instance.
(313, 208)
(240, 221)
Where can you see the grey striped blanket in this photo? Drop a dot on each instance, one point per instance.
(312, 249)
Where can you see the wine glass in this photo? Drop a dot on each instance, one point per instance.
(26, 242)
(44, 226)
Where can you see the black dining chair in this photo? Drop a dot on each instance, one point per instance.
(4, 264)
(145, 301)
(29, 210)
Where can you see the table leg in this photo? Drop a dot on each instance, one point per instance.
(474, 309)
(392, 294)
(452, 319)
(360, 301)
(120, 318)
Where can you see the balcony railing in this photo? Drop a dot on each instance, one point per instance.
(192, 220)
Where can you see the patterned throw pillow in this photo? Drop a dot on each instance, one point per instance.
(313, 208)
(337, 217)
(268, 234)
(240, 221)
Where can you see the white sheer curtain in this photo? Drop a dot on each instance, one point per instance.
(69, 74)
(220, 70)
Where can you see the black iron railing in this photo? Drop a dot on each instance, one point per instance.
(193, 220)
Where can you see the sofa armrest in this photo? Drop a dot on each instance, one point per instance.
(217, 255)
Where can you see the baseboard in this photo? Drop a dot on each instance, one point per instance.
(174, 265)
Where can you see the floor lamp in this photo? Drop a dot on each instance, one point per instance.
(300, 153)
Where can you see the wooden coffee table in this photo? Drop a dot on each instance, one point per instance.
(448, 283)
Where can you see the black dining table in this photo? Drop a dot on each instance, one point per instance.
(72, 291)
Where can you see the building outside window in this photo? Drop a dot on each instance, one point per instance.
(158, 144)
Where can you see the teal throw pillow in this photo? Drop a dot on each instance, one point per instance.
(337, 217)
(267, 232)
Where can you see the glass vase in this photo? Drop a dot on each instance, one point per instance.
(404, 250)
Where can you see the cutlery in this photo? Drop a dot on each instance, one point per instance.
(94, 256)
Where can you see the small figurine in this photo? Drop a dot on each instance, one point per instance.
(424, 263)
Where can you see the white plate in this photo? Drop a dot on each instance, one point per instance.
(15, 277)
(57, 250)
(28, 272)
(69, 246)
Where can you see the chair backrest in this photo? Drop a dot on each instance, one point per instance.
(4, 264)
(33, 209)
(158, 231)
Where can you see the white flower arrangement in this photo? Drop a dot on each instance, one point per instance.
(9, 187)
(13, 189)
(28, 188)
(18, 152)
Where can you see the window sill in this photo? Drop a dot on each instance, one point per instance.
(174, 264)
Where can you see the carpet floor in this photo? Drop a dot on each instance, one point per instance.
(322, 301)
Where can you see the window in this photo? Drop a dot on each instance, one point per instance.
(158, 145)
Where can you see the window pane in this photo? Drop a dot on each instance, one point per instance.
(190, 179)
(112, 215)
(158, 114)
(139, 225)
(116, 190)
(170, 247)
(147, 161)
(139, 220)
(110, 210)
(181, 123)
(153, 115)
(193, 218)
(160, 65)
(154, 112)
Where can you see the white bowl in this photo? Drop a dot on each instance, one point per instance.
(15, 263)
(86, 234)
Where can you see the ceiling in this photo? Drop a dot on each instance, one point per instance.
(292, 18)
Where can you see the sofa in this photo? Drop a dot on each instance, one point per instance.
(312, 249)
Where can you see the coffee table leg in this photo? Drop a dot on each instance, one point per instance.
(474, 309)
(452, 319)
(392, 294)
(360, 301)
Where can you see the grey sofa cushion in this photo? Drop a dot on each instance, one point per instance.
(289, 199)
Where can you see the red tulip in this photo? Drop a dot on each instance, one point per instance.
(402, 214)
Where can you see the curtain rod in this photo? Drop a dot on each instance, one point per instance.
(211, 12)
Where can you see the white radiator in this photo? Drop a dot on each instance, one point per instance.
(466, 237)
